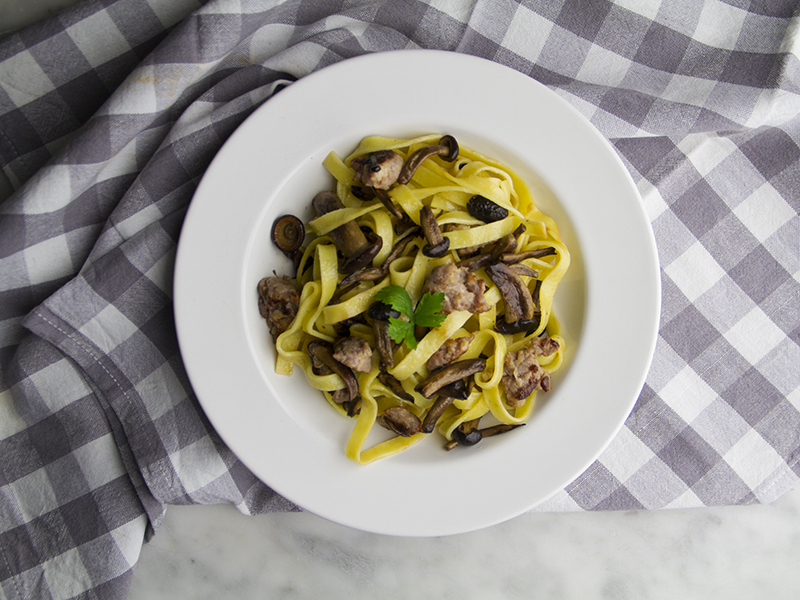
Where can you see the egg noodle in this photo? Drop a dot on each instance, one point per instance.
(446, 188)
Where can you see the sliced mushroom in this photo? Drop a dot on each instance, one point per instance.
(364, 259)
(458, 390)
(288, 234)
(386, 200)
(435, 412)
(522, 325)
(448, 374)
(376, 273)
(517, 296)
(380, 314)
(322, 352)
(394, 384)
(524, 270)
(437, 244)
(511, 259)
(447, 148)
(400, 420)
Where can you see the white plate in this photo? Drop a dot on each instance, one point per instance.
(282, 429)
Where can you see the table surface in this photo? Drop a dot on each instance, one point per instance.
(727, 552)
(213, 551)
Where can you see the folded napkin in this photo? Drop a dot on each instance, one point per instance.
(111, 111)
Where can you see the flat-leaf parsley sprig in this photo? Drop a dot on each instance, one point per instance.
(426, 314)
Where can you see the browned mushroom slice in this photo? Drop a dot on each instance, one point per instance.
(378, 170)
(322, 352)
(386, 200)
(400, 420)
(510, 259)
(516, 295)
(437, 244)
(394, 384)
(278, 303)
(447, 375)
(380, 314)
(348, 237)
(435, 412)
(520, 326)
(364, 259)
(447, 148)
(473, 263)
(524, 270)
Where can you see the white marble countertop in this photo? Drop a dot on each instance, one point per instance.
(735, 552)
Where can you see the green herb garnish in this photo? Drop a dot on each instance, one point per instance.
(426, 314)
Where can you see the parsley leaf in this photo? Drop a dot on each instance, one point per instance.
(426, 314)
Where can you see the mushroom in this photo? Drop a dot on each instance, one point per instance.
(322, 352)
(375, 273)
(437, 244)
(288, 234)
(517, 296)
(364, 259)
(380, 314)
(386, 200)
(523, 270)
(348, 237)
(391, 382)
(400, 420)
(448, 374)
(434, 412)
(511, 259)
(485, 210)
(467, 434)
(447, 148)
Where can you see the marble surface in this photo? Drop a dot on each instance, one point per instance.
(735, 552)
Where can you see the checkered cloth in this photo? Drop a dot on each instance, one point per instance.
(111, 111)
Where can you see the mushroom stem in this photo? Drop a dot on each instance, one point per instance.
(448, 374)
(437, 243)
(383, 342)
(447, 148)
(386, 200)
(516, 295)
(511, 259)
(435, 412)
(322, 352)
(348, 237)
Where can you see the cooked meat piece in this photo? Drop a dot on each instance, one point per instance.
(449, 351)
(278, 303)
(522, 373)
(462, 289)
(377, 170)
(353, 352)
(544, 346)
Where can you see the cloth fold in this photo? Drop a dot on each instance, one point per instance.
(110, 113)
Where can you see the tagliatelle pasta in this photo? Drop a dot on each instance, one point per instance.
(511, 262)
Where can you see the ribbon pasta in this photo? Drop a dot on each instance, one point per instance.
(324, 305)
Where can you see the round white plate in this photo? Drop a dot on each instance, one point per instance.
(280, 427)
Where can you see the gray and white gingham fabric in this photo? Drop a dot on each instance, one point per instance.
(109, 114)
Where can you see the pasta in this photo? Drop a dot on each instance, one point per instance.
(463, 231)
